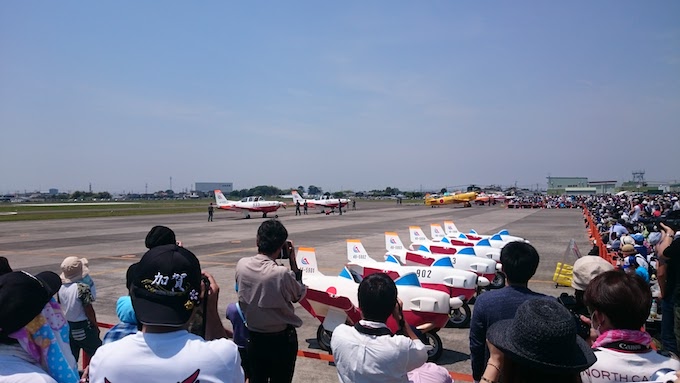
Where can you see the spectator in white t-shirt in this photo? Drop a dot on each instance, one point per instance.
(166, 291)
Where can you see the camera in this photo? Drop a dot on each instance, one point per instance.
(206, 283)
(576, 310)
(671, 219)
(285, 254)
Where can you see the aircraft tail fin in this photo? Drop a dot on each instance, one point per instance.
(220, 199)
(417, 234)
(306, 261)
(437, 232)
(356, 251)
(297, 197)
(450, 227)
(393, 242)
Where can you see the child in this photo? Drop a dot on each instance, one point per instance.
(238, 322)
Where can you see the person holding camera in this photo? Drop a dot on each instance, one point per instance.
(370, 352)
(167, 287)
(668, 251)
(266, 293)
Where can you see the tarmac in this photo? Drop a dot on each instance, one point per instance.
(112, 244)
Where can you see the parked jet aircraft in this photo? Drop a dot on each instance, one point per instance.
(333, 300)
(437, 200)
(254, 204)
(464, 259)
(440, 276)
(323, 202)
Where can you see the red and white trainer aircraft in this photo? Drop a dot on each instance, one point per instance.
(254, 204)
(440, 275)
(323, 202)
(333, 301)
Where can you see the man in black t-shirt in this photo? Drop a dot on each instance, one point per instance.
(668, 250)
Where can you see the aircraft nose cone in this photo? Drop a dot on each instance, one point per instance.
(455, 303)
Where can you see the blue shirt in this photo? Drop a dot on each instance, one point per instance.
(240, 329)
(490, 308)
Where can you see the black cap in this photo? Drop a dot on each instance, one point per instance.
(158, 236)
(166, 284)
(23, 296)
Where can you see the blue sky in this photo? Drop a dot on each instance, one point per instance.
(337, 94)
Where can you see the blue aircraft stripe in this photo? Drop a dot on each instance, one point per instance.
(467, 251)
(484, 242)
(409, 279)
(496, 237)
(423, 248)
(391, 258)
(504, 232)
(443, 262)
(346, 274)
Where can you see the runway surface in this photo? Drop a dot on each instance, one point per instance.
(112, 244)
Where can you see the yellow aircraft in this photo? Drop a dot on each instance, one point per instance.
(450, 199)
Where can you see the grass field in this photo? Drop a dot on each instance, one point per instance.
(38, 211)
(43, 211)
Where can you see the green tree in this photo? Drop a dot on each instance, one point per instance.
(443, 191)
(313, 190)
(301, 189)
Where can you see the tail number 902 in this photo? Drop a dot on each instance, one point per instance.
(424, 273)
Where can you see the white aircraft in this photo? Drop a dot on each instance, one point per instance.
(442, 243)
(333, 300)
(323, 202)
(464, 259)
(439, 276)
(248, 205)
(497, 240)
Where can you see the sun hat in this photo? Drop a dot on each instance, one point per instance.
(542, 336)
(166, 284)
(654, 238)
(158, 236)
(23, 296)
(628, 249)
(627, 240)
(586, 269)
(73, 269)
(638, 238)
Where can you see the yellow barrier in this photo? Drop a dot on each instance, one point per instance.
(563, 274)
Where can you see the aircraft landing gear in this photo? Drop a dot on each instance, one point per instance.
(498, 281)
(247, 216)
(323, 337)
(433, 339)
(276, 216)
(264, 215)
(460, 317)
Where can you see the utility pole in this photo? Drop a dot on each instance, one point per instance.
(170, 182)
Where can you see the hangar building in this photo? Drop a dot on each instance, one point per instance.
(209, 187)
